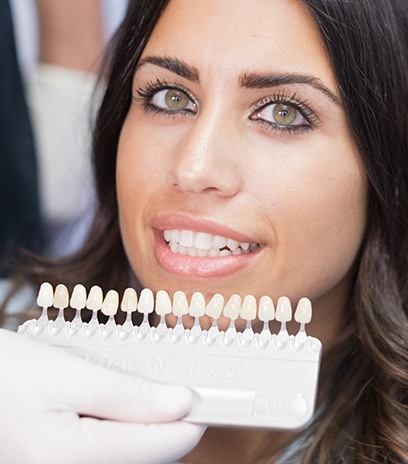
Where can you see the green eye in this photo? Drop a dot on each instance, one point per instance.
(281, 115)
(284, 115)
(173, 100)
(176, 100)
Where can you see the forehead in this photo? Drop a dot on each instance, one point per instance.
(234, 36)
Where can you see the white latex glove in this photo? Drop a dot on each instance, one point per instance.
(52, 403)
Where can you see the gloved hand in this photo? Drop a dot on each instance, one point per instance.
(52, 403)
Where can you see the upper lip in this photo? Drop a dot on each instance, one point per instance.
(171, 221)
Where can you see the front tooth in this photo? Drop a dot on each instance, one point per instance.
(163, 303)
(303, 313)
(248, 309)
(110, 303)
(180, 304)
(146, 301)
(45, 297)
(203, 241)
(283, 310)
(78, 297)
(61, 297)
(95, 298)
(197, 305)
(215, 305)
(219, 242)
(202, 253)
(232, 244)
(175, 235)
(182, 250)
(186, 238)
(191, 251)
(129, 301)
(266, 310)
(233, 307)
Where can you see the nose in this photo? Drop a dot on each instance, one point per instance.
(205, 158)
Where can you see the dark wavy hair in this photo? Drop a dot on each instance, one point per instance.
(365, 418)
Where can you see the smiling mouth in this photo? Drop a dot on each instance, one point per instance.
(203, 244)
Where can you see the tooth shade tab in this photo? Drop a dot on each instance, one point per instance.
(146, 301)
(233, 307)
(61, 297)
(129, 301)
(110, 303)
(78, 297)
(215, 306)
(95, 298)
(266, 309)
(248, 309)
(303, 313)
(197, 305)
(180, 304)
(163, 303)
(45, 297)
(283, 310)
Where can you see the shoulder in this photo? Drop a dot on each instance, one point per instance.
(15, 302)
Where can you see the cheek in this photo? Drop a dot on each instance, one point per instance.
(318, 213)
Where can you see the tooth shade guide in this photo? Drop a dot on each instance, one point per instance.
(228, 376)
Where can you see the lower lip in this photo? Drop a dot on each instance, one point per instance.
(202, 267)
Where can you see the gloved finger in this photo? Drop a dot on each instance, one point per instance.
(103, 393)
(107, 442)
(60, 380)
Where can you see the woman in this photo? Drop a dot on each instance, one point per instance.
(282, 125)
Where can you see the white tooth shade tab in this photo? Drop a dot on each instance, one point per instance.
(110, 303)
(215, 306)
(248, 308)
(129, 301)
(303, 313)
(180, 304)
(45, 297)
(283, 310)
(163, 303)
(95, 298)
(266, 309)
(78, 297)
(197, 305)
(233, 307)
(61, 297)
(146, 301)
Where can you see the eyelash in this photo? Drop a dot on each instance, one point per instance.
(146, 94)
(285, 99)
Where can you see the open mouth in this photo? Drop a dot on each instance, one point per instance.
(203, 244)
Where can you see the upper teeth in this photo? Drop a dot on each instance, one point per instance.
(204, 244)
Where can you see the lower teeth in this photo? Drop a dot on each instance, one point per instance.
(212, 252)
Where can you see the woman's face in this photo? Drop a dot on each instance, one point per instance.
(236, 141)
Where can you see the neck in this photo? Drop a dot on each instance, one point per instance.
(229, 446)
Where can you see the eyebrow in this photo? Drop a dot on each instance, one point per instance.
(172, 64)
(246, 80)
(262, 81)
